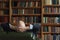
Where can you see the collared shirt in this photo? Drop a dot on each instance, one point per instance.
(31, 26)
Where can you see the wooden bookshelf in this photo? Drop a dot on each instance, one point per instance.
(4, 11)
(45, 12)
(50, 20)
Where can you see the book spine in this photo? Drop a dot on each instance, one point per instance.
(59, 2)
(54, 37)
(48, 2)
(54, 2)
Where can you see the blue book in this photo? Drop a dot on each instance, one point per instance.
(53, 29)
(46, 10)
(22, 4)
(45, 29)
(59, 20)
(54, 36)
(6, 12)
(54, 1)
(58, 37)
(15, 11)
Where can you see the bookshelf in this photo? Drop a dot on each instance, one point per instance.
(50, 20)
(4, 11)
(14, 10)
(25, 9)
(45, 12)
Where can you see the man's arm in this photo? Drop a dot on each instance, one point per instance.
(12, 27)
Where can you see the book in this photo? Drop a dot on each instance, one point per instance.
(54, 2)
(1, 19)
(26, 4)
(1, 5)
(54, 10)
(48, 2)
(45, 29)
(58, 37)
(45, 37)
(59, 10)
(52, 29)
(20, 11)
(6, 12)
(54, 36)
(14, 4)
(4, 19)
(6, 5)
(36, 19)
(46, 10)
(31, 20)
(28, 11)
(28, 19)
(37, 11)
(59, 2)
(0, 0)
(39, 4)
(1, 12)
(36, 4)
(14, 11)
(56, 20)
(22, 4)
(30, 4)
(50, 20)
(45, 20)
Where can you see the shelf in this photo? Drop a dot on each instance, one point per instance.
(4, 15)
(26, 0)
(51, 14)
(26, 15)
(25, 7)
(4, 8)
(4, 1)
(52, 24)
(51, 6)
(50, 33)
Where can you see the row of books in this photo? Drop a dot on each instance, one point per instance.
(20, 0)
(51, 2)
(26, 11)
(51, 20)
(4, 4)
(26, 19)
(30, 4)
(21, 11)
(51, 29)
(4, 12)
(52, 37)
(4, 19)
(26, 4)
(20, 4)
(52, 10)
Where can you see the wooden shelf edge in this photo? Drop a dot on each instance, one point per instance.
(52, 24)
(51, 14)
(4, 15)
(52, 5)
(24, 7)
(26, 0)
(51, 33)
(27, 15)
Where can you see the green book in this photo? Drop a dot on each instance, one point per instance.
(22, 4)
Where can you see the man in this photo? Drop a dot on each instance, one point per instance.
(21, 27)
